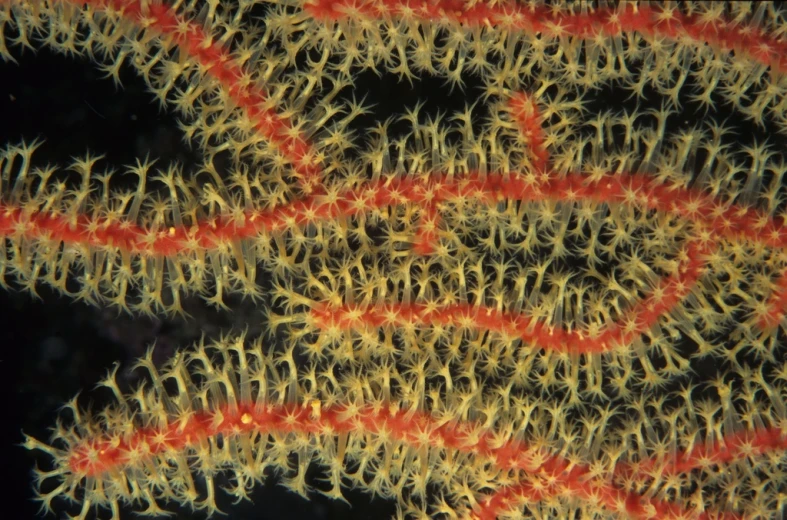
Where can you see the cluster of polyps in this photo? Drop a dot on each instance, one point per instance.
(496, 317)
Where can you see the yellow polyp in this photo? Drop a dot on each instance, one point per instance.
(316, 407)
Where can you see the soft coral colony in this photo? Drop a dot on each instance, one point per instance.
(508, 311)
